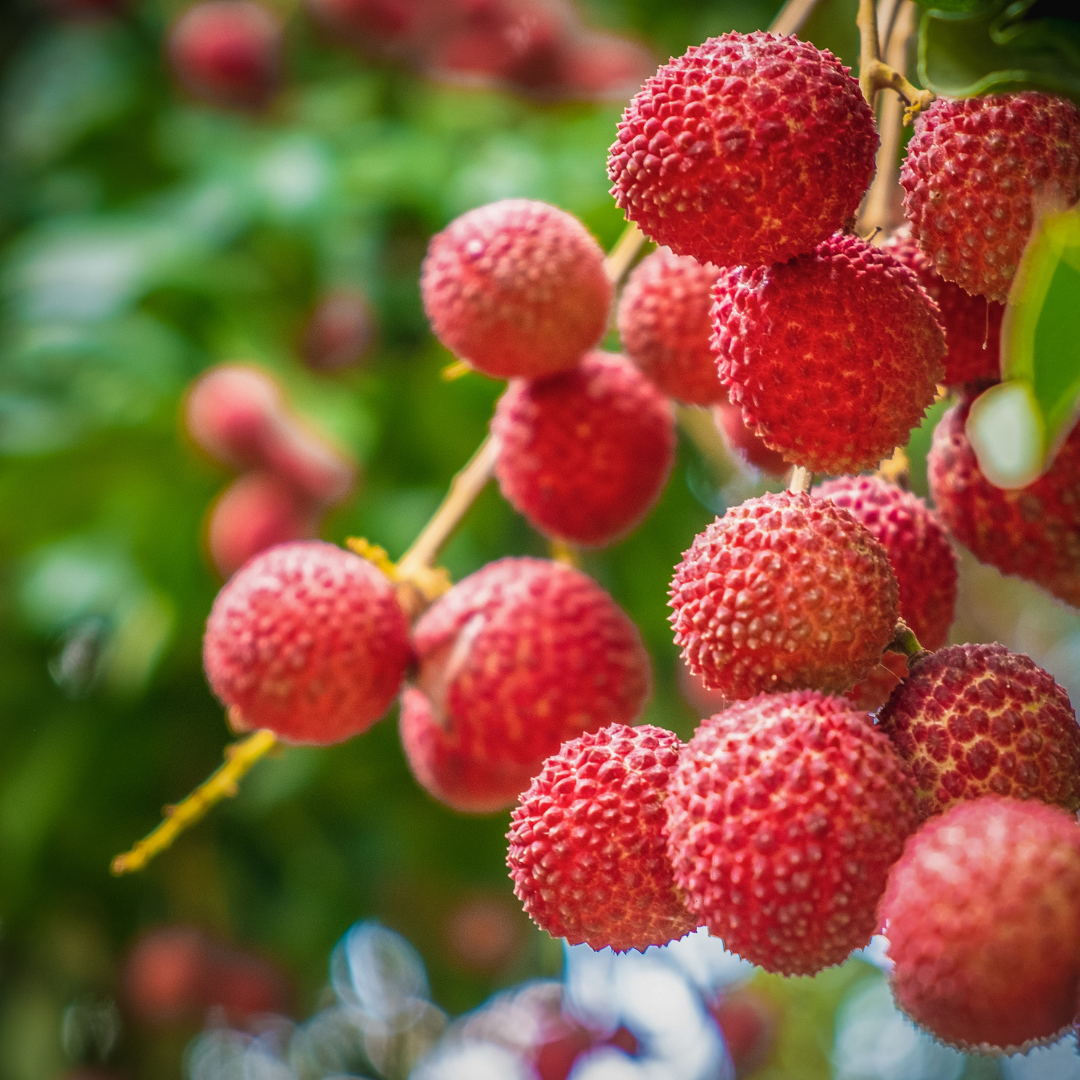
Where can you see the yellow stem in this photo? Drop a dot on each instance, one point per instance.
(875, 75)
(562, 552)
(801, 480)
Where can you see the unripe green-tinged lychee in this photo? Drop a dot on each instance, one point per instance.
(749, 148)
(588, 842)
(307, 640)
(514, 660)
(784, 592)
(976, 720)
(833, 356)
(976, 175)
(665, 329)
(1032, 532)
(972, 324)
(584, 455)
(982, 914)
(516, 288)
(784, 817)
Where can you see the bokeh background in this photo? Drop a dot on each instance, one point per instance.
(144, 237)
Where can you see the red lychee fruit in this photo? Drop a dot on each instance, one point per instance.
(749, 1022)
(784, 592)
(922, 560)
(976, 175)
(514, 660)
(340, 332)
(379, 27)
(1031, 532)
(164, 978)
(696, 694)
(750, 148)
(665, 329)
(307, 640)
(597, 66)
(228, 52)
(584, 455)
(784, 817)
(484, 932)
(833, 356)
(516, 288)
(743, 444)
(254, 513)
(871, 692)
(983, 919)
(588, 842)
(972, 324)
(976, 720)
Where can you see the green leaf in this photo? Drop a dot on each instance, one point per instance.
(992, 50)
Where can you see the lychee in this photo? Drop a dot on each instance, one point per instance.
(584, 455)
(749, 148)
(380, 27)
(665, 329)
(228, 52)
(972, 324)
(784, 817)
(308, 641)
(977, 174)
(982, 914)
(598, 66)
(833, 357)
(516, 288)
(588, 842)
(514, 660)
(1032, 532)
(784, 592)
(339, 333)
(743, 444)
(975, 720)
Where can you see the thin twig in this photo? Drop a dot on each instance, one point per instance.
(622, 255)
(801, 480)
(904, 641)
(791, 17)
(875, 75)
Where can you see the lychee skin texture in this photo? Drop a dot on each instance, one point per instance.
(972, 324)
(514, 660)
(976, 174)
(516, 288)
(976, 720)
(749, 148)
(833, 357)
(308, 641)
(665, 329)
(983, 922)
(784, 817)
(1032, 532)
(588, 842)
(783, 592)
(584, 455)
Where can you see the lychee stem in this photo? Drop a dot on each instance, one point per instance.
(875, 75)
(801, 480)
(222, 784)
(792, 15)
(904, 641)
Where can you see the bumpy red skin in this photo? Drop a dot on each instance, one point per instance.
(1032, 532)
(744, 444)
(783, 592)
(976, 720)
(784, 817)
(516, 288)
(749, 148)
(977, 173)
(972, 324)
(309, 641)
(584, 455)
(833, 357)
(665, 329)
(228, 52)
(588, 842)
(983, 921)
(514, 660)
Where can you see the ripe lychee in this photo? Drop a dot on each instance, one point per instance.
(339, 333)
(975, 720)
(982, 914)
(742, 443)
(308, 641)
(833, 356)
(584, 455)
(514, 660)
(976, 175)
(516, 288)
(749, 148)
(972, 324)
(665, 329)
(228, 52)
(784, 817)
(784, 592)
(1032, 532)
(588, 842)
(380, 27)
(598, 66)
